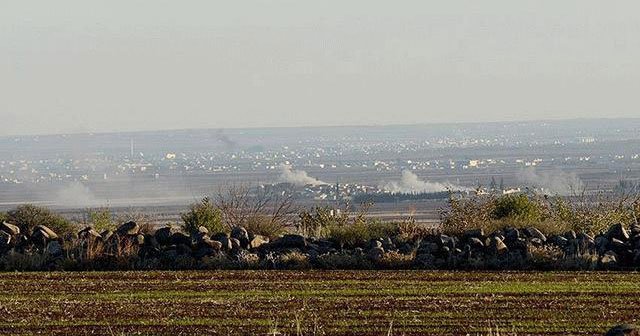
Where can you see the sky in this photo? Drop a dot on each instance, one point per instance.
(120, 65)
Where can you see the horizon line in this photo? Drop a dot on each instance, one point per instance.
(106, 132)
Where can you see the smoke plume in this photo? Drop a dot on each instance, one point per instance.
(297, 177)
(228, 143)
(410, 183)
(551, 182)
(76, 194)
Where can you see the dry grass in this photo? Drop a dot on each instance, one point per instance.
(591, 214)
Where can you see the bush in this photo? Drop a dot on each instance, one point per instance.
(360, 232)
(264, 226)
(293, 260)
(205, 214)
(101, 219)
(395, 260)
(344, 229)
(490, 214)
(409, 230)
(314, 222)
(517, 207)
(593, 214)
(29, 216)
(465, 213)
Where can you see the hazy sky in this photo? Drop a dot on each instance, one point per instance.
(76, 66)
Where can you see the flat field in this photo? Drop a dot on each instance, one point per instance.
(317, 303)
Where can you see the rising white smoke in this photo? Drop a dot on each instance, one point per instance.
(76, 194)
(410, 183)
(297, 177)
(551, 182)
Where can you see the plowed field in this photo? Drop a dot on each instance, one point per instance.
(317, 303)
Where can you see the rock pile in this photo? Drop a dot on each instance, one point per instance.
(168, 247)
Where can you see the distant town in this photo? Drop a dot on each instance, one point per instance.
(332, 164)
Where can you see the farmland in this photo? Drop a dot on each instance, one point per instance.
(311, 302)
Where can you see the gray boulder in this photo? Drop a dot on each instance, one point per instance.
(375, 254)
(511, 234)
(618, 245)
(497, 246)
(535, 233)
(42, 235)
(601, 243)
(163, 235)
(106, 234)
(618, 231)
(624, 330)
(10, 228)
(89, 233)
(257, 241)
(212, 244)
(474, 233)
(130, 228)
(388, 244)
(241, 235)
(609, 259)
(5, 240)
(374, 243)
(179, 238)
(54, 248)
(476, 243)
(291, 241)
(559, 241)
(428, 247)
(224, 240)
(570, 235)
(49, 233)
(235, 244)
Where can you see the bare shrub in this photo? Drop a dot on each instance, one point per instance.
(464, 213)
(293, 260)
(264, 210)
(264, 226)
(595, 213)
(395, 260)
(145, 221)
(313, 222)
(409, 230)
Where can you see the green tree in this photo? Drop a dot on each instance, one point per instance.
(203, 213)
(28, 216)
(518, 207)
(101, 219)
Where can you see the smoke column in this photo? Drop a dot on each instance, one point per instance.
(553, 182)
(297, 177)
(410, 183)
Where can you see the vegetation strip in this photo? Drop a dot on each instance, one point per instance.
(331, 303)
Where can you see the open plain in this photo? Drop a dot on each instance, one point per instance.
(317, 303)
